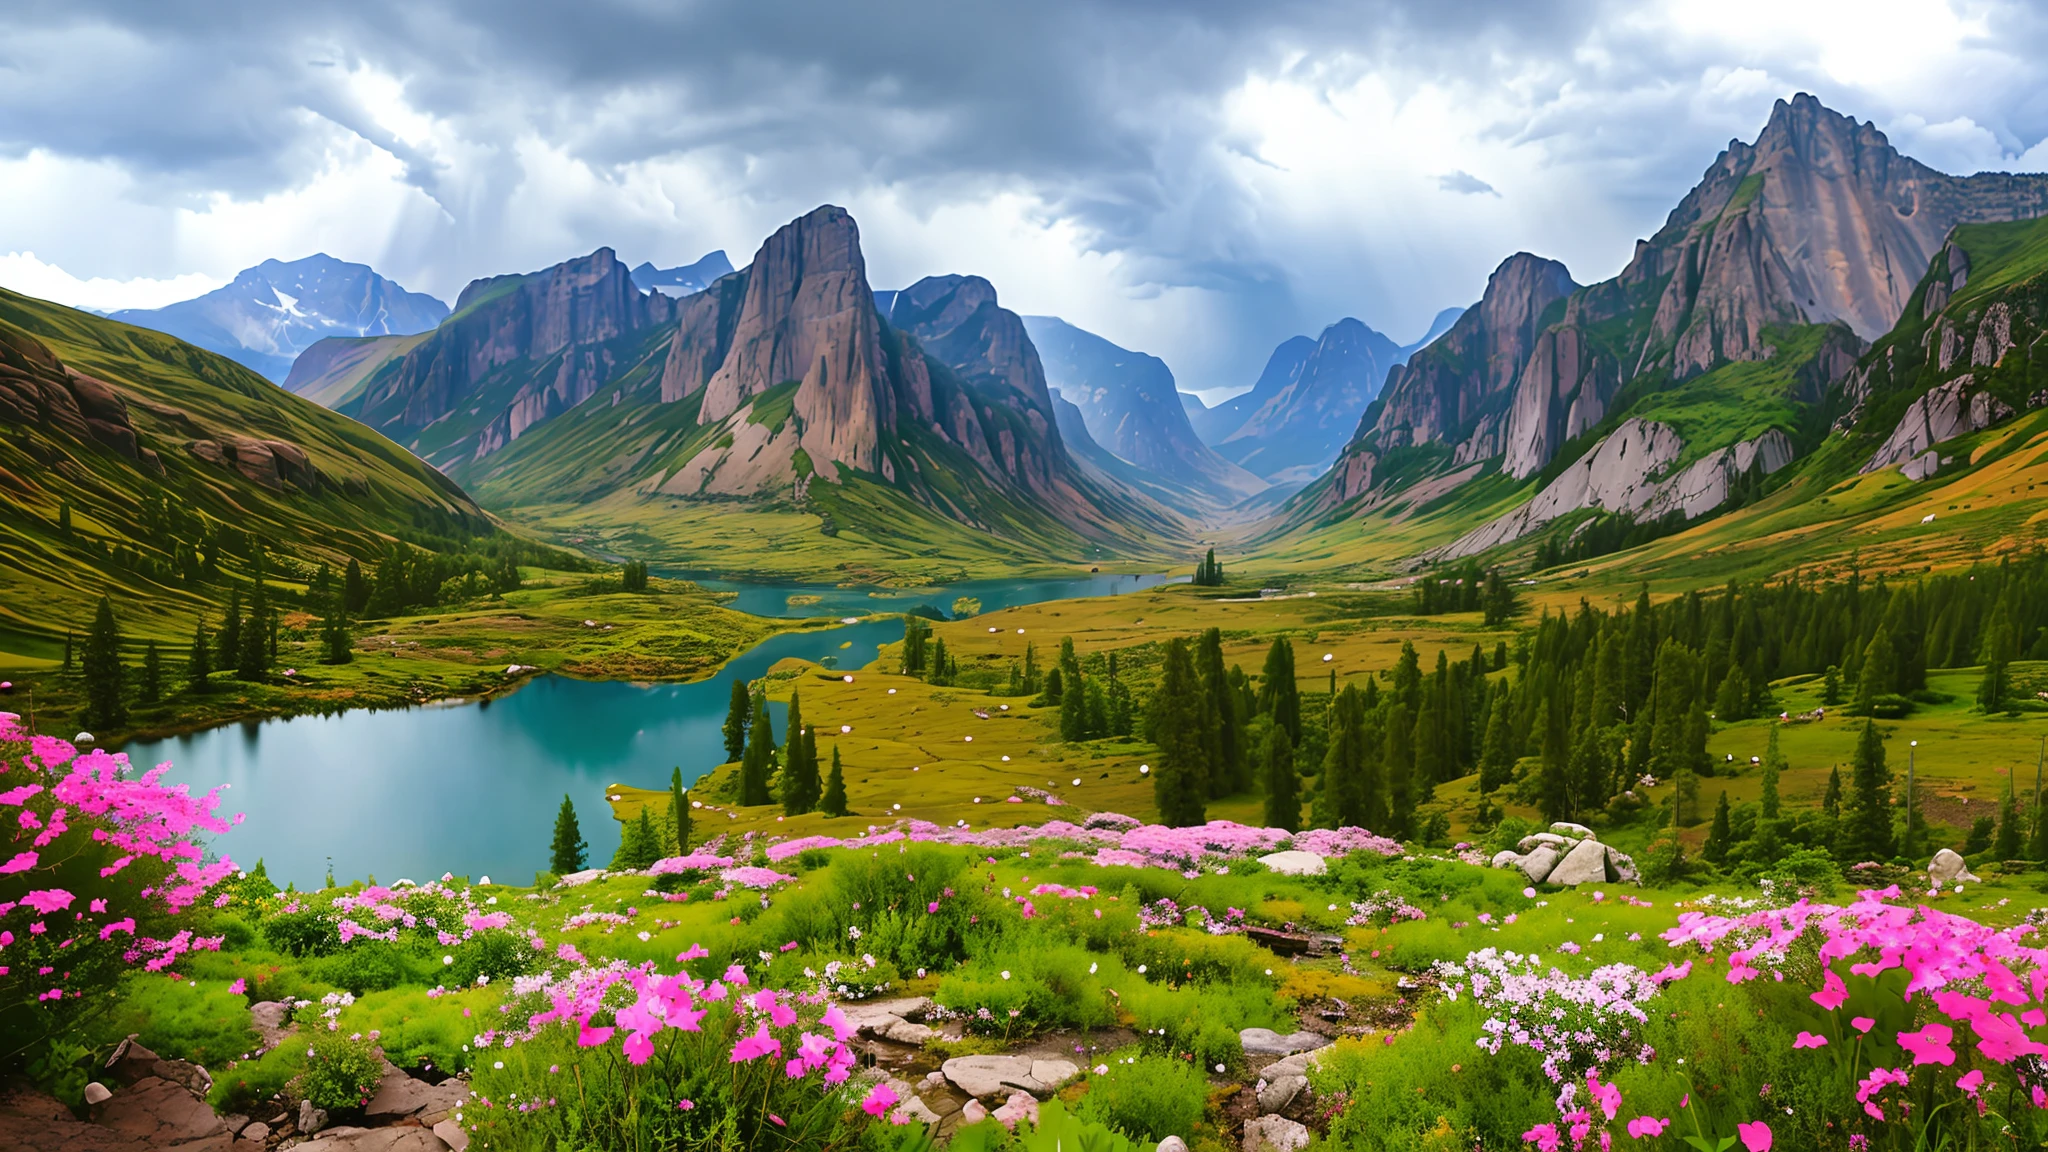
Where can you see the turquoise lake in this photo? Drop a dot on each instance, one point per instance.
(473, 788)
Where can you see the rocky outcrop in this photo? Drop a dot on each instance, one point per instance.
(1266, 1042)
(1297, 428)
(1954, 409)
(996, 1077)
(1275, 1134)
(558, 321)
(1132, 409)
(1215, 425)
(37, 389)
(1563, 392)
(1568, 856)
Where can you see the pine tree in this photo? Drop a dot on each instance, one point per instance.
(1716, 847)
(1731, 703)
(254, 662)
(834, 801)
(1879, 672)
(335, 641)
(1397, 768)
(1222, 716)
(355, 591)
(1685, 798)
(639, 844)
(1283, 783)
(1180, 780)
(1831, 800)
(199, 661)
(1279, 694)
(1347, 776)
(735, 729)
(1831, 687)
(800, 785)
(1995, 689)
(152, 675)
(678, 811)
(1866, 831)
(105, 705)
(759, 757)
(1497, 755)
(2006, 845)
(566, 855)
(1774, 766)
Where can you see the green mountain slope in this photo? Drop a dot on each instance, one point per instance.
(167, 460)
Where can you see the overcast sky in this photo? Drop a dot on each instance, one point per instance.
(1198, 179)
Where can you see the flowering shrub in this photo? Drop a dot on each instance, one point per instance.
(97, 872)
(701, 861)
(629, 1057)
(1383, 908)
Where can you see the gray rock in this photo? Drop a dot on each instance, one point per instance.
(1535, 840)
(1295, 863)
(1575, 831)
(258, 1132)
(998, 1077)
(903, 1032)
(267, 1018)
(400, 1097)
(973, 1113)
(453, 1135)
(1274, 1134)
(96, 1093)
(1266, 1042)
(1948, 868)
(1943, 413)
(186, 1075)
(1172, 1144)
(1537, 865)
(1507, 858)
(916, 1110)
(1020, 1106)
(311, 1119)
(1584, 864)
(1279, 1093)
(1295, 1065)
(131, 1062)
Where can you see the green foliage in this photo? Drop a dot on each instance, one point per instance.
(183, 1019)
(105, 678)
(1151, 1098)
(367, 967)
(240, 1086)
(496, 954)
(568, 851)
(341, 1074)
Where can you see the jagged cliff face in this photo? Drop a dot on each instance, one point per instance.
(1819, 222)
(559, 322)
(1295, 429)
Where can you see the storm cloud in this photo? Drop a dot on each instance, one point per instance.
(1195, 178)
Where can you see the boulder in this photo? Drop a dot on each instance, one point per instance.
(267, 1018)
(453, 1135)
(1535, 840)
(1586, 863)
(259, 1132)
(1537, 865)
(163, 1114)
(1274, 1134)
(1295, 1065)
(345, 1139)
(1948, 868)
(998, 1077)
(1172, 1144)
(131, 1062)
(185, 1074)
(914, 1110)
(1279, 1093)
(1575, 831)
(1624, 867)
(904, 1032)
(33, 1122)
(584, 877)
(1507, 858)
(311, 1119)
(400, 1097)
(973, 1113)
(96, 1093)
(1266, 1042)
(1295, 863)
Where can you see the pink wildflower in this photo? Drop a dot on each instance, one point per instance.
(1809, 1040)
(1756, 1135)
(1643, 1126)
(880, 1099)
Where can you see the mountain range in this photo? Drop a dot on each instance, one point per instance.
(1305, 405)
(687, 280)
(1711, 363)
(271, 313)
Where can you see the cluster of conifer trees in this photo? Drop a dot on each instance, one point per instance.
(788, 774)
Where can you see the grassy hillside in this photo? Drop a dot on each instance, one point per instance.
(132, 519)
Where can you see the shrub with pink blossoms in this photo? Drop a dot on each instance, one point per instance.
(98, 866)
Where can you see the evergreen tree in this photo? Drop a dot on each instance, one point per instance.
(1497, 754)
(254, 662)
(2037, 844)
(1716, 847)
(834, 801)
(1279, 694)
(1731, 703)
(105, 704)
(1283, 783)
(336, 643)
(800, 784)
(1879, 671)
(355, 591)
(678, 811)
(1347, 775)
(152, 675)
(1866, 830)
(1995, 689)
(1979, 837)
(759, 758)
(199, 661)
(1831, 800)
(2006, 845)
(1774, 767)
(1073, 695)
(1498, 601)
(736, 711)
(1180, 780)
(639, 844)
(1397, 768)
(1223, 716)
(567, 853)
(1831, 687)
(1685, 798)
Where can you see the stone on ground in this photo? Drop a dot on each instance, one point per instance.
(1266, 1042)
(1279, 1093)
(1586, 863)
(400, 1097)
(1172, 1144)
(345, 1139)
(452, 1134)
(1948, 868)
(163, 1114)
(997, 1077)
(1274, 1134)
(1295, 863)
(1538, 864)
(311, 1119)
